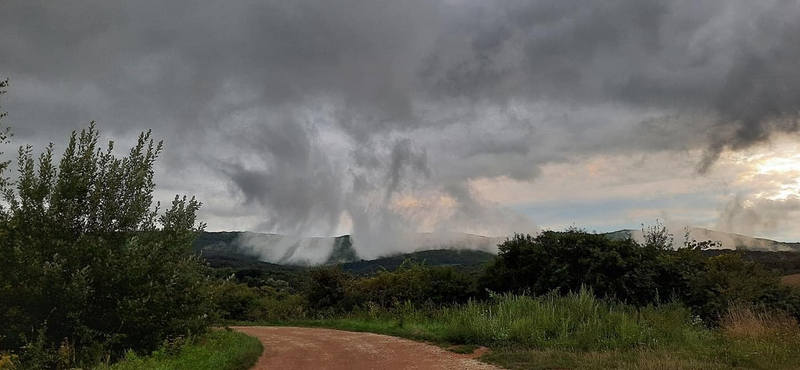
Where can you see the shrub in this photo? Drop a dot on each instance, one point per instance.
(730, 279)
(216, 350)
(90, 267)
(637, 274)
(331, 288)
(233, 300)
(416, 283)
(566, 261)
(236, 301)
(274, 306)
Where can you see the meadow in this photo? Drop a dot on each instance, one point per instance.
(581, 331)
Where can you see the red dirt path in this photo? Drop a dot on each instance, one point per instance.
(288, 348)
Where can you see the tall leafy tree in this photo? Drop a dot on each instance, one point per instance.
(90, 267)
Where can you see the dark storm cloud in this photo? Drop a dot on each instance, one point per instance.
(404, 158)
(291, 177)
(733, 60)
(301, 105)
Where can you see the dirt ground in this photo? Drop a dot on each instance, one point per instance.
(288, 348)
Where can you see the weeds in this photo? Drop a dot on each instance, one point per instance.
(216, 350)
(750, 322)
(579, 330)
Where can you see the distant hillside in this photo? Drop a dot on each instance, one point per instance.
(308, 251)
(242, 248)
(221, 250)
(728, 240)
(439, 257)
(222, 253)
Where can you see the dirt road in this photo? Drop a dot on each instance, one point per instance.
(288, 348)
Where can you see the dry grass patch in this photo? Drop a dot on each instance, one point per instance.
(748, 322)
(791, 280)
(552, 359)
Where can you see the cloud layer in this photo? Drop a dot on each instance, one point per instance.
(317, 117)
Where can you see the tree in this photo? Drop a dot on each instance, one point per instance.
(90, 267)
(730, 279)
(331, 288)
(4, 136)
(567, 261)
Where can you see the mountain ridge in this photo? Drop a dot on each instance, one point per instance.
(309, 251)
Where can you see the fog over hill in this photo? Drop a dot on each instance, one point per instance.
(728, 240)
(295, 250)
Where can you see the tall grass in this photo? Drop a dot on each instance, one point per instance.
(216, 350)
(575, 321)
(750, 322)
(579, 330)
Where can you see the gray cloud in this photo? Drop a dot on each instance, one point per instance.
(305, 108)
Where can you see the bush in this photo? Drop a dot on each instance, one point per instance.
(415, 283)
(274, 306)
(90, 267)
(566, 261)
(233, 300)
(216, 350)
(334, 290)
(729, 279)
(331, 288)
(240, 302)
(637, 274)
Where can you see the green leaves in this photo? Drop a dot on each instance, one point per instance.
(567, 261)
(87, 259)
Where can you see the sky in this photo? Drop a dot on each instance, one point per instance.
(378, 118)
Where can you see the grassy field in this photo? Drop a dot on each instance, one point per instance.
(217, 350)
(582, 332)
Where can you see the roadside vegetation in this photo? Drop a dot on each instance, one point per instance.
(215, 350)
(578, 330)
(568, 299)
(93, 271)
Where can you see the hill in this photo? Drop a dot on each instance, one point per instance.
(439, 257)
(234, 247)
(283, 255)
(728, 240)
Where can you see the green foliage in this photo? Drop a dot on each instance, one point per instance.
(657, 237)
(637, 274)
(470, 261)
(579, 330)
(729, 279)
(331, 288)
(90, 267)
(578, 321)
(5, 134)
(788, 263)
(414, 282)
(239, 302)
(566, 261)
(216, 350)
